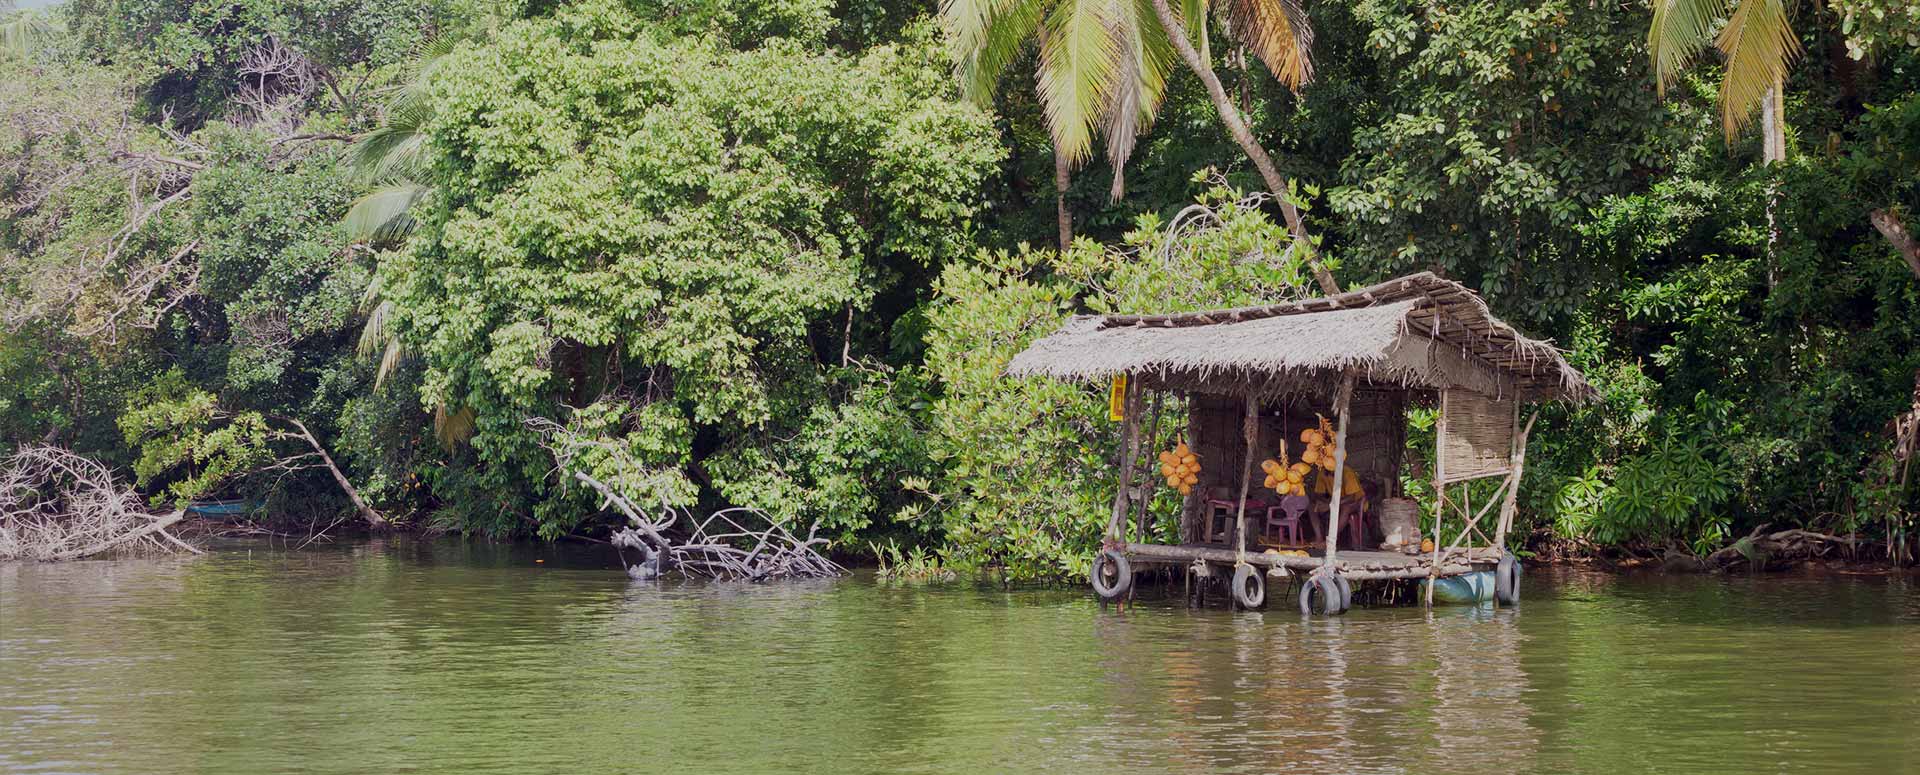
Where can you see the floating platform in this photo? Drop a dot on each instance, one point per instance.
(1353, 565)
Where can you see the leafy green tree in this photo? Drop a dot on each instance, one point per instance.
(1482, 135)
(670, 226)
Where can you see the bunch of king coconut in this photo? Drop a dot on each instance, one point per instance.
(1290, 479)
(1283, 478)
(1180, 467)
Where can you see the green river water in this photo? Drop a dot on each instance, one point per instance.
(403, 655)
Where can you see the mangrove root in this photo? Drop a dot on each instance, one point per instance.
(56, 505)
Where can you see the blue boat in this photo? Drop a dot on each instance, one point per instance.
(219, 508)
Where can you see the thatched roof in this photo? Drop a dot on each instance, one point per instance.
(1418, 331)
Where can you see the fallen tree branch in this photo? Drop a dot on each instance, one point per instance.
(157, 526)
(56, 505)
(367, 513)
(737, 543)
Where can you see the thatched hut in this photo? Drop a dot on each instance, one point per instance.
(1254, 378)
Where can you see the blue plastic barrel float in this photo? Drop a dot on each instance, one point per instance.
(1472, 588)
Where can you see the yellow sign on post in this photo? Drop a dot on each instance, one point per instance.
(1117, 401)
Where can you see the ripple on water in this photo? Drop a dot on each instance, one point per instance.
(402, 655)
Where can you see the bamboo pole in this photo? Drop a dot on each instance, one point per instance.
(1131, 423)
(1511, 507)
(1341, 404)
(1251, 429)
(1153, 437)
(1439, 491)
(1190, 505)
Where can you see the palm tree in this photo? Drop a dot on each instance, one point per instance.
(1102, 68)
(1103, 65)
(392, 156)
(22, 32)
(392, 159)
(1758, 43)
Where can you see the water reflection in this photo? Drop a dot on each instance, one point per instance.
(406, 655)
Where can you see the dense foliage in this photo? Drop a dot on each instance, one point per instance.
(771, 255)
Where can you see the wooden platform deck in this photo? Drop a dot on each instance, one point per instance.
(1355, 565)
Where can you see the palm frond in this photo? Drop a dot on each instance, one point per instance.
(985, 37)
(1078, 65)
(383, 215)
(1680, 29)
(390, 359)
(396, 148)
(1759, 44)
(453, 427)
(1278, 33)
(25, 33)
(1194, 12)
(1139, 86)
(375, 334)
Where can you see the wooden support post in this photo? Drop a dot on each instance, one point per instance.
(1190, 528)
(1342, 402)
(1146, 494)
(1439, 491)
(1512, 504)
(1251, 429)
(1130, 439)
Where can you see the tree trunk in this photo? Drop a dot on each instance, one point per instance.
(1889, 226)
(1237, 126)
(1062, 177)
(1773, 123)
(372, 517)
(1129, 438)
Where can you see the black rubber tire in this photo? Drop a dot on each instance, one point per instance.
(1249, 587)
(1330, 599)
(1506, 580)
(1111, 563)
(1346, 592)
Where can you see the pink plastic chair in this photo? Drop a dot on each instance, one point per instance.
(1289, 512)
